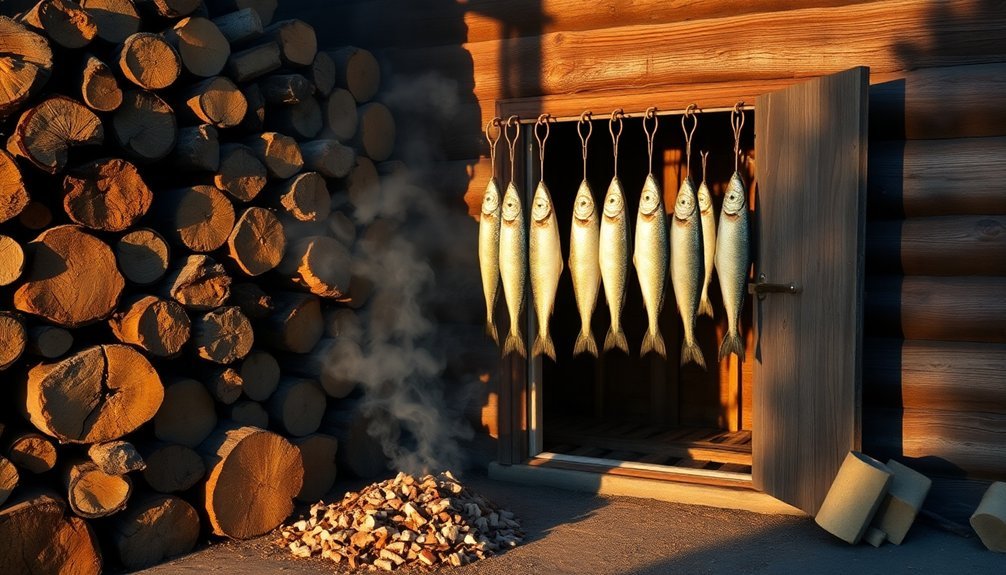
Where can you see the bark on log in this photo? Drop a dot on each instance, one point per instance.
(92, 493)
(202, 48)
(98, 394)
(46, 132)
(257, 241)
(107, 194)
(35, 216)
(98, 87)
(320, 264)
(252, 299)
(116, 457)
(223, 335)
(116, 19)
(247, 412)
(28, 62)
(302, 120)
(216, 101)
(341, 120)
(63, 22)
(155, 528)
(306, 197)
(171, 8)
(260, 375)
(297, 406)
(359, 453)
(49, 341)
(13, 339)
(13, 193)
(285, 89)
(8, 479)
(197, 149)
(321, 73)
(296, 40)
(32, 452)
(11, 260)
(318, 452)
(296, 324)
(62, 259)
(375, 136)
(328, 157)
(264, 8)
(334, 363)
(149, 61)
(145, 125)
(279, 154)
(241, 174)
(939, 246)
(199, 284)
(249, 464)
(254, 62)
(357, 71)
(225, 385)
(159, 327)
(187, 416)
(198, 217)
(172, 468)
(38, 536)
(142, 255)
(240, 26)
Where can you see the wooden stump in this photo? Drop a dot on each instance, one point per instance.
(203, 49)
(375, 136)
(223, 335)
(225, 385)
(248, 412)
(159, 327)
(296, 40)
(49, 341)
(259, 375)
(92, 493)
(13, 339)
(155, 528)
(328, 157)
(32, 452)
(144, 125)
(116, 19)
(149, 61)
(98, 87)
(306, 197)
(106, 195)
(320, 264)
(13, 194)
(8, 479)
(216, 101)
(116, 457)
(241, 174)
(187, 416)
(357, 71)
(297, 406)
(98, 394)
(318, 452)
(240, 26)
(257, 241)
(198, 217)
(296, 324)
(63, 21)
(46, 132)
(62, 259)
(172, 468)
(142, 255)
(29, 63)
(278, 153)
(341, 120)
(37, 536)
(254, 62)
(199, 284)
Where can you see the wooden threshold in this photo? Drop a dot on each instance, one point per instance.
(642, 470)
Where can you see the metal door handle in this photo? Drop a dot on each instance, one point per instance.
(761, 288)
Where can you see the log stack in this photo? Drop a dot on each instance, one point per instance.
(173, 235)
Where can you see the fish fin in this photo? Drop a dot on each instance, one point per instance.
(705, 307)
(732, 343)
(616, 340)
(543, 345)
(514, 343)
(691, 353)
(491, 331)
(585, 344)
(653, 342)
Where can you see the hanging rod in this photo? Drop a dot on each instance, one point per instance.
(602, 115)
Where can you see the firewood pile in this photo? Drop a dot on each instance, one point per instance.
(180, 200)
(404, 522)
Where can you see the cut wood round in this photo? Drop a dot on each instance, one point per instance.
(171, 8)
(306, 197)
(197, 149)
(98, 394)
(144, 125)
(240, 174)
(198, 217)
(64, 22)
(240, 26)
(342, 228)
(27, 62)
(8, 479)
(172, 467)
(46, 132)
(257, 241)
(334, 363)
(92, 493)
(320, 264)
(142, 255)
(302, 120)
(252, 299)
(116, 19)
(343, 322)
(254, 62)
(98, 87)
(357, 70)
(149, 61)
(278, 153)
(248, 464)
(158, 326)
(216, 101)
(49, 341)
(361, 288)
(225, 385)
(223, 335)
(248, 412)
(375, 136)
(200, 283)
(296, 40)
(328, 157)
(13, 193)
(318, 452)
(155, 528)
(359, 453)
(35, 216)
(200, 45)
(341, 120)
(32, 452)
(106, 195)
(363, 187)
(116, 457)
(38, 536)
(297, 406)
(322, 73)
(285, 88)
(296, 324)
(61, 260)
(259, 375)
(264, 8)
(13, 339)
(11, 260)
(187, 415)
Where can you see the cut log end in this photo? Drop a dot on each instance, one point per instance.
(155, 529)
(306, 197)
(116, 457)
(28, 63)
(46, 132)
(39, 537)
(116, 20)
(201, 46)
(32, 452)
(187, 416)
(159, 327)
(260, 375)
(145, 126)
(279, 154)
(297, 323)
(92, 493)
(108, 195)
(98, 87)
(49, 341)
(200, 217)
(64, 22)
(320, 264)
(13, 193)
(13, 339)
(297, 406)
(357, 71)
(172, 468)
(149, 61)
(9, 479)
(142, 255)
(241, 174)
(217, 101)
(257, 241)
(296, 39)
(223, 335)
(318, 452)
(199, 284)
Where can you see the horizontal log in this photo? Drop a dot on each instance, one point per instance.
(938, 246)
(116, 19)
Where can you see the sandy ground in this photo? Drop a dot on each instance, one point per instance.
(577, 533)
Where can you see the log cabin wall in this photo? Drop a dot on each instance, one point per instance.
(934, 376)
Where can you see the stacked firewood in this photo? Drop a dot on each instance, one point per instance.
(403, 522)
(179, 213)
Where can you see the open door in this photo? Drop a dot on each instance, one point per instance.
(810, 145)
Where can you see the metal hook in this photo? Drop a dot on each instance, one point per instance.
(512, 143)
(542, 121)
(689, 134)
(584, 119)
(493, 141)
(650, 113)
(616, 114)
(737, 123)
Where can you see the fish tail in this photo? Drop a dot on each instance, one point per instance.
(616, 339)
(692, 352)
(585, 344)
(514, 343)
(653, 341)
(543, 345)
(705, 306)
(732, 343)
(491, 330)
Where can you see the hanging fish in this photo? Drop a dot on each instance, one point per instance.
(513, 252)
(732, 262)
(546, 266)
(686, 267)
(708, 239)
(489, 241)
(613, 256)
(583, 265)
(651, 260)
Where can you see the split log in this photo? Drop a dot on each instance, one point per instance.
(199, 284)
(197, 149)
(172, 468)
(106, 195)
(116, 457)
(252, 299)
(334, 362)
(341, 120)
(98, 87)
(296, 40)
(285, 88)
(149, 61)
(240, 26)
(13, 193)
(92, 493)
(264, 8)
(198, 217)
(225, 385)
(14, 339)
(63, 22)
(296, 324)
(249, 464)
(375, 136)
(216, 101)
(328, 157)
(62, 259)
(240, 174)
(155, 528)
(342, 228)
(257, 241)
(8, 479)
(321, 73)
(142, 255)
(223, 335)
(254, 120)
(38, 536)
(297, 406)
(302, 120)
(71, 399)
(318, 452)
(32, 452)
(187, 416)
(254, 62)
(49, 341)
(145, 126)
(35, 216)
(247, 412)
(27, 62)
(259, 375)
(46, 132)
(116, 19)
(320, 264)
(203, 49)
(357, 71)
(306, 197)
(359, 453)
(159, 327)
(171, 8)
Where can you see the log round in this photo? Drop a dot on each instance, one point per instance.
(13, 193)
(216, 101)
(198, 217)
(341, 120)
(32, 452)
(142, 255)
(296, 325)
(302, 120)
(145, 126)
(35, 216)
(248, 464)
(108, 195)
(187, 416)
(201, 46)
(28, 59)
(297, 406)
(149, 61)
(116, 19)
(98, 87)
(375, 137)
(285, 89)
(357, 71)
(11, 260)
(257, 241)
(318, 452)
(63, 21)
(252, 299)
(200, 283)
(46, 132)
(332, 363)
(49, 341)
(13, 339)
(92, 493)
(172, 468)
(363, 186)
(260, 375)
(172, 8)
(264, 8)
(197, 149)
(240, 25)
(320, 264)
(8, 479)
(223, 335)
(116, 457)
(157, 326)
(306, 197)
(240, 174)
(247, 412)
(254, 62)
(98, 394)
(278, 153)
(342, 228)
(296, 39)
(62, 259)
(328, 157)
(225, 385)
(38, 536)
(322, 73)
(155, 528)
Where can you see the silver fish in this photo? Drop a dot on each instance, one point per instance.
(708, 244)
(732, 262)
(651, 260)
(513, 271)
(686, 267)
(489, 252)
(583, 264)
(613, 255)
(546, 266)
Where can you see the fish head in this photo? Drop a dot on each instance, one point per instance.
(511, 204)
(541, 205)
(735, 200)
(614, 200)
(583, 204)
(705, 200)
(650, 200)
(684, 204)
(491, 199)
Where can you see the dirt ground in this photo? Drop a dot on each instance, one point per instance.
(578, 533)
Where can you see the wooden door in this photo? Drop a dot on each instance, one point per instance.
(810, 146)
